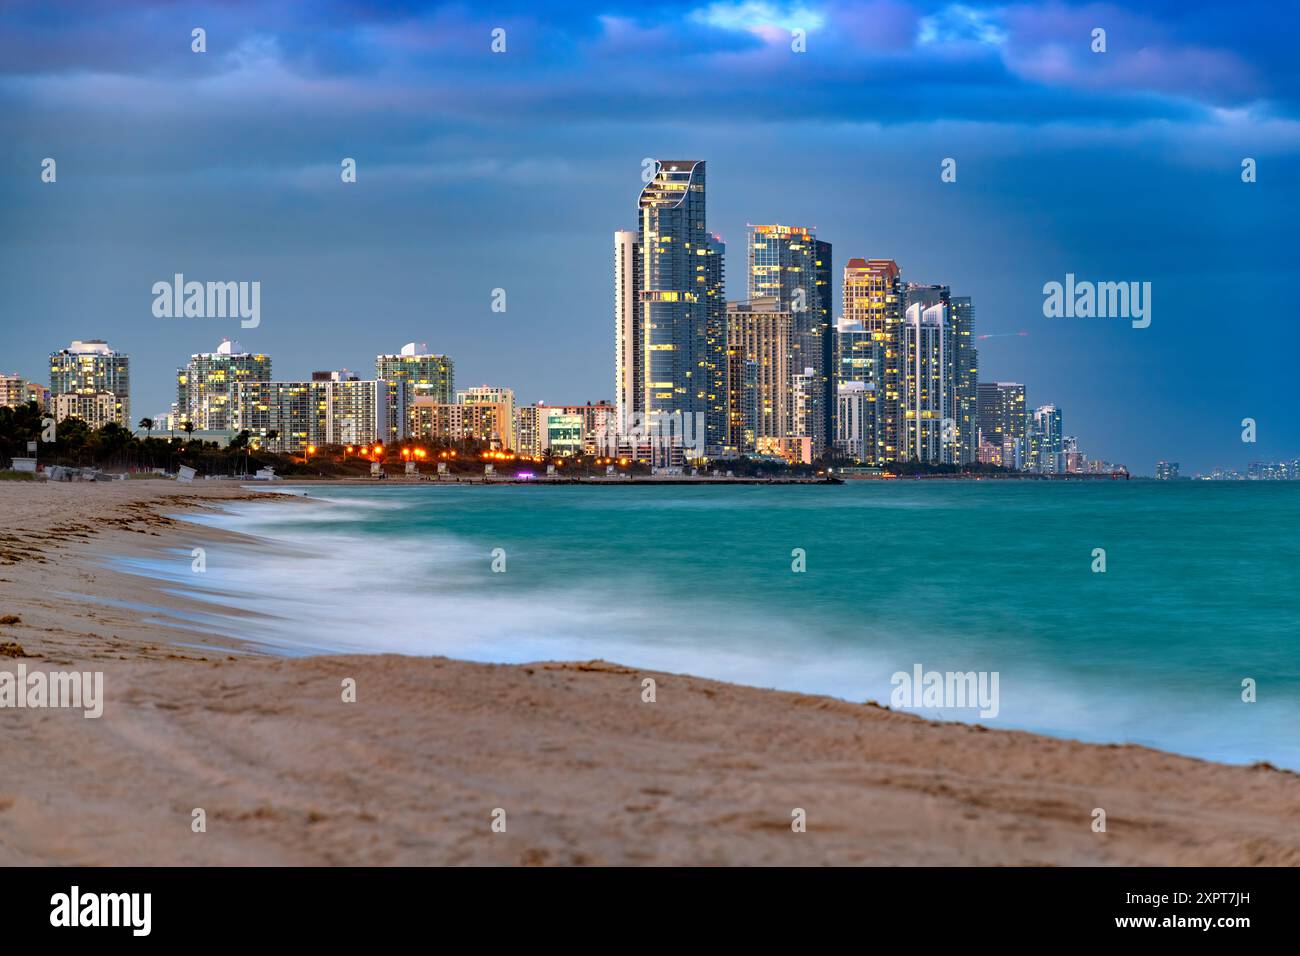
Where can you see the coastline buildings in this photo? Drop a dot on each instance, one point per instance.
(484, 421)
(203, 386)
(92, 382)
(629, 336)
(1166, 471)
(856, 424)
(873, 302)
(894, 379)
(333, 408)
(715, 345)
(1045, 445)
(424, 374)
(565, 430)
(492, 394)
(13, 391)
(789, 264)
(662, 312)
(38, 393)
(759, 334)
(96, 409)
(929, 415)
(1000, 423)
(966, 379)
(859, 361)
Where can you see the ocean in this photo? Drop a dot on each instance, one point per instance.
(1201, 591)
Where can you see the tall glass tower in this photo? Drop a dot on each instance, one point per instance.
(785, 263)
(873, 299)
(674, 246)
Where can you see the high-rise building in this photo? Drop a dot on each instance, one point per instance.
(859, 361)
(676, 272)
(333, 408)
(1000, 413)
(715, 346)
(855, 421)
(425, 375)
(89, 368)
(873, 299)
(825, 273)
(203, 385)
(758, 347)
(962, 313)
(784, 265)
(929, 419)
(1045, 444)
(1166, 471)
(629, 333)
(493, 394)
(13, 391)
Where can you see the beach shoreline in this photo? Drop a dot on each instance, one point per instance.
(587, 772)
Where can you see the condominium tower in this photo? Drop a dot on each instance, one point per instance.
(873, 301)
(788, 264)
(97, 377)
(668, 363)
(203, 386)
(929, 428)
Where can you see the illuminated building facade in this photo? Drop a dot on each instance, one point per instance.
(928, 414)
(758, 346)
(203, 386)
(324, 411)
(91, 368)
(873, 301)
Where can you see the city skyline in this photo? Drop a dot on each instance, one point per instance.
(1066, 163)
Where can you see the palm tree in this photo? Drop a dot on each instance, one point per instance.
(147, 425)
(188, 428)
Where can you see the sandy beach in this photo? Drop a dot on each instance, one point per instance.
(289, 773)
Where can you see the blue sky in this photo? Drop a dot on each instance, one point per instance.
(479, 170)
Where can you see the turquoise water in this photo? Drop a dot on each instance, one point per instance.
(1200, 591)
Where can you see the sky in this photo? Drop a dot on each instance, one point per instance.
(479, 170)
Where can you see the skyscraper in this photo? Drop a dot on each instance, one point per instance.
(203, 386)
(629, 335)
(826, 332)
(873, 299)
(855, 421)
(928, 416)
(758, 341)
(1000, 416)
(715, 354)
(783, 264)
(674, 246)
(424, 374)
(92, 370)
(859, 361)
(1045, 443)
(961, 312)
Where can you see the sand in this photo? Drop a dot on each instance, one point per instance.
(288, 773)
